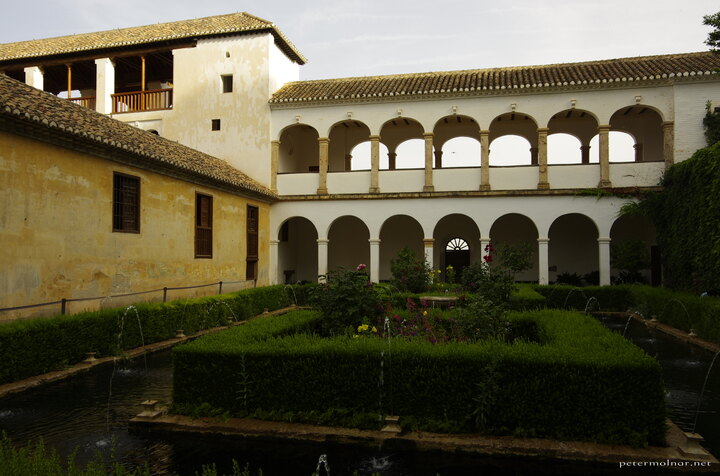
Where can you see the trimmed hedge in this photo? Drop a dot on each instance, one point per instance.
(679, 309)
(582, 382)
(35, 346)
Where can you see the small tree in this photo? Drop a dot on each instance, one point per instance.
(630, 257)
(410, 273)
(713, 39)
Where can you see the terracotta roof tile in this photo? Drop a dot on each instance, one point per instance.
(233, 23)
(23, 103)
(647, 68)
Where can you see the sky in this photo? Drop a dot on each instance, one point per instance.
(371, 37)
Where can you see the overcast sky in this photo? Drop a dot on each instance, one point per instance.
(370, 37)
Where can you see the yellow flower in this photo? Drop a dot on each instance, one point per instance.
(363, 327)
(355, 336)
(424, 313)
(374, 329)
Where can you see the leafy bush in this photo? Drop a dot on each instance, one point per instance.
(346, 299)
(491, 282)
(410, 272)
(35, 346)
(565, 385)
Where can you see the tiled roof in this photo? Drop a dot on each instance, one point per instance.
(488, 81)
(221, 25)
(19, 102)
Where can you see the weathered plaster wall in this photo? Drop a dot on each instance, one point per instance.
(57, 238)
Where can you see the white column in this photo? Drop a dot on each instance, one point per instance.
(484, 160)
(668, 128)
(274, 262)
(604, 254)
(429, 255)
(274, 161)
(323, 163)
(484, 242)
(374, 164)
(374, 260)
(543, 183)
(543, 271)
(604, 151)
(34, 77)
(428, 187)
(322, 259)
(104, 85)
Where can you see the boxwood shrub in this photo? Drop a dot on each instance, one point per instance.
(35, 346)
(579, 382)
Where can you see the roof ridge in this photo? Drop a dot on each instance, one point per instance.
(503, 68)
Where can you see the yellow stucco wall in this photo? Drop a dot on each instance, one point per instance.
(56, 230)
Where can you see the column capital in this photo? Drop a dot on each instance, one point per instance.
(275, 142)
(322, 242)
(374, 241)
(543, 130)
(428, 242)
(428, 135)
(274, 242)
(484, 132)
(543, 240)
(323, 139)
(375, 137)
(604, 128)
(666, 124)
(604, 239)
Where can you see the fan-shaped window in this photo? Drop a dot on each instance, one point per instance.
(457, 244)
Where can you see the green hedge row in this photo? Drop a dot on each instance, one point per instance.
(35, 346)
(582, 382)
(679, 309)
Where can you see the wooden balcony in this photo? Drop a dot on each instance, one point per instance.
(138, 101)
(87, 101)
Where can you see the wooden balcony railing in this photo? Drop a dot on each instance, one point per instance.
(142, 101)
(87, 101)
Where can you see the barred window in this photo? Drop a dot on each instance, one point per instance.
(126, 203)
(203, 226)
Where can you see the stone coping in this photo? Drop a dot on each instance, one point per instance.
(38, 380)
(679, 451)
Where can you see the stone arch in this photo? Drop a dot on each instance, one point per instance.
(573, 248)
(299, 149)
(579, 123)
(514, 124)
(297, 251)
(644, 124)
(449, 129)
(460, 151)
(348, 244)
(410, 154)
(397, 131)
(625, 231)
(344, 136)
(515, 228)
(451, 227)
(397, 232)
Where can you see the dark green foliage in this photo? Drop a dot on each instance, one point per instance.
(579, 382)
(35, 346)
(516, 257)
(711, 123)
(571, 279)
(346, 299)
(686, 214)
(483, 319)
(713, 39)
(492, 282)
(609, 298)
(410, 272)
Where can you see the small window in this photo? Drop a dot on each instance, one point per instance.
(203, 226)
(215, 124)
(126, 203)
(227, 83)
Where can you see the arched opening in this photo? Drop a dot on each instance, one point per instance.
(622, 147)
(344, 137)
(457, 255)
(506, 146)
(297, 251)
(361, 159)
(461, 152)
(398, 232)
(573, 250)
(456, 140)
(403, 137)
(581, 126)
(510, 150)
(348, 243)
(634, 254)
(564, 149)
(410, 154)
(455, 227)
(644, 125)
(515, 228)
(299, 150)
